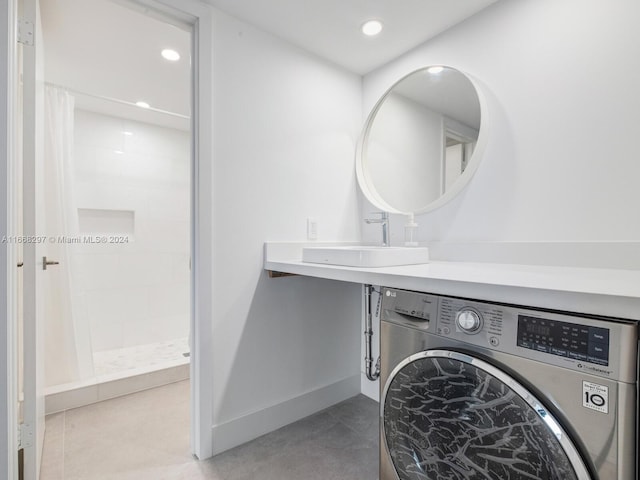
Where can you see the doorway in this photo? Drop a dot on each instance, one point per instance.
(117, 209)
(200, 18)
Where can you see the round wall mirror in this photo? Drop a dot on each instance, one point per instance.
(422, 141)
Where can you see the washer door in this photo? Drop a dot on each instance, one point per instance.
(447, 415)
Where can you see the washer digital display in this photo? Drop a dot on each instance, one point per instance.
(578, 342)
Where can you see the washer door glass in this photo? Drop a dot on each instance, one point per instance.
(450, 416)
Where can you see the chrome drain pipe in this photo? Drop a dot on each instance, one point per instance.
(368, 332)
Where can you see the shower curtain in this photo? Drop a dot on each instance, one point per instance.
(68, 353)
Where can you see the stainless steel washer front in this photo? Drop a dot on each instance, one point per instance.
(475, 390)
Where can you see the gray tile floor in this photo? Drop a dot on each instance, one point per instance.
(145, 436)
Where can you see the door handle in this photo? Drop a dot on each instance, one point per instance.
(46, 262)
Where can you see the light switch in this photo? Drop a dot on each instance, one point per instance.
(312, 229)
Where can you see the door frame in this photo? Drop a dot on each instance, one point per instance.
(8, 259)
(200, 17)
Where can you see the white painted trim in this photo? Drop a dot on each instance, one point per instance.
(202, 242)
(8, 328)
(255, 424)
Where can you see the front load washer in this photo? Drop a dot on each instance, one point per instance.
(479, 390)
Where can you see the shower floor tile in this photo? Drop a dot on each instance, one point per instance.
(123, 371)
(153, 356)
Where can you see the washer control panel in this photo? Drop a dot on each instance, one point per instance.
(578, 342)
(474, 322)
(469, 321)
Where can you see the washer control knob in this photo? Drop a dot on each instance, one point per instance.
(469, 320)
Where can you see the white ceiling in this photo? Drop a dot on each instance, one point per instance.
(101, 48)
(331, 28)
(105, 49)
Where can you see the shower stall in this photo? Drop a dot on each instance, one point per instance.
(118, 221)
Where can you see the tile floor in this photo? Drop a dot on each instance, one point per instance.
(122, 371)
(151, 356)
(145, 436)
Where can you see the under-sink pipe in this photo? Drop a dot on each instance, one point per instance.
(368, 340)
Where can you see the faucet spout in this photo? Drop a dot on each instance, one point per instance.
(384, 222)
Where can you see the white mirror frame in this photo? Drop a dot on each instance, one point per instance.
(361, 151)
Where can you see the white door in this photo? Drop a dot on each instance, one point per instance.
(34, 250)
(453, 158)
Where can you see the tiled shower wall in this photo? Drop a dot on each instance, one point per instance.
(133, 184)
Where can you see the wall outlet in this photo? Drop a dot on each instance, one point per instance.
(312, 229)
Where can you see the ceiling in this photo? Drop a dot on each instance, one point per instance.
(104, 49)
(331, 28)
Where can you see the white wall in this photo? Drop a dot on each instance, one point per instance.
(284, 137)
(134, 185)
(285, 127)
(561, 162)
(559, 169)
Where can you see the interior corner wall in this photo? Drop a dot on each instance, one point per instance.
(284, 134)
(561, 80)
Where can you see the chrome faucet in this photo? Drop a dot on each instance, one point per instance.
(384, 220)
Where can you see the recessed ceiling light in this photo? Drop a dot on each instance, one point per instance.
(435, 69)
(143, 104)
(127, 133)
(170, 55)
(372, 27)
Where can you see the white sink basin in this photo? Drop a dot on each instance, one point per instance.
(366, 256)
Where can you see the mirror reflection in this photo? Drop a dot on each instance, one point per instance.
(419, 140)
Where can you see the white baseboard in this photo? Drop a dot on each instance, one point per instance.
(253, 425)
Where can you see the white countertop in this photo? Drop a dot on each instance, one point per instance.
(597, 291)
